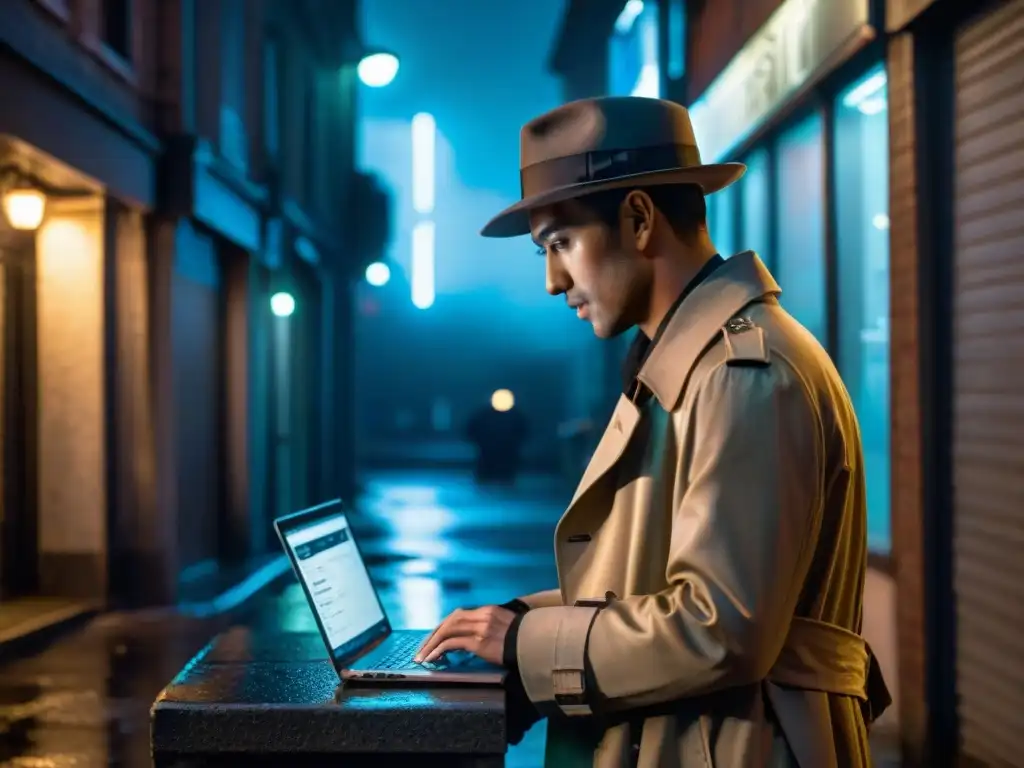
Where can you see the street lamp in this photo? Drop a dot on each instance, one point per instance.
(377, 69)
(503, 400)
(282, 304)
(378, 274)
(24, 205)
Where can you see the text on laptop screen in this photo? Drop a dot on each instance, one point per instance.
(338, 582)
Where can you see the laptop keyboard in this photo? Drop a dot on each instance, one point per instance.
(401, 652)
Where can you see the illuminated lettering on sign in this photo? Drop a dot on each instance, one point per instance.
(793, 47)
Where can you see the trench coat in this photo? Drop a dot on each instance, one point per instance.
(711, 563)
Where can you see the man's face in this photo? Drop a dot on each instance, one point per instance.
(600, 269)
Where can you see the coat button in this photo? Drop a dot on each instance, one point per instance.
(739, 325)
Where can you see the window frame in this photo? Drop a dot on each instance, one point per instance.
(87, 16)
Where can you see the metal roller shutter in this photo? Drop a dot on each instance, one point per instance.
(989, 385)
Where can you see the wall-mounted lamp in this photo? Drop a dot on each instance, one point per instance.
(24, 203)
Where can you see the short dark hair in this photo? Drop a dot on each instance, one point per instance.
(682, 204)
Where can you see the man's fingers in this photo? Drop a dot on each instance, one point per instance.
(439, 633)
(469, 643)
(436, 637)
(431, 637)
(463, 625)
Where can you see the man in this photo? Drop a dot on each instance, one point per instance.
(712, 560)
(499, 437)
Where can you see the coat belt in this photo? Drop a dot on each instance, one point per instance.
(818, 656)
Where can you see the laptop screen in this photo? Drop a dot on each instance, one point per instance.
(338, 583)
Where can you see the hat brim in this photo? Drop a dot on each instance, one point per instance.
(514, 221)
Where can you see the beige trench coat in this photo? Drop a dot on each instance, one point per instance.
(726, 517)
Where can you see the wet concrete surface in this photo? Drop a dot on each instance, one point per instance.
(434, 542)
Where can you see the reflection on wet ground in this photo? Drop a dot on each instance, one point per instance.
(85, 700)
(434, 541)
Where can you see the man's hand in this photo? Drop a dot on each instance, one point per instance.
(480, 631)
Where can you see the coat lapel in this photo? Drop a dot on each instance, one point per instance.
(613, 443)
(696, 324)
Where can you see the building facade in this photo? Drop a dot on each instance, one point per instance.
(803, 104)
(174, 320)
(957, 136)
(883, 144)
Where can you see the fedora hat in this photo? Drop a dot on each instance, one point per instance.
(610, 142)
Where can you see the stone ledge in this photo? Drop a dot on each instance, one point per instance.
(255, 694)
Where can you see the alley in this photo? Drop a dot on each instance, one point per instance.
(434, 542)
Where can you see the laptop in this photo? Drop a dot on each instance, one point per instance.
(359, 637)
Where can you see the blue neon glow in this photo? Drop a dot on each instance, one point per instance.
(632, 9)
(423, 264)
(633, 58)
(424, 134)
(648, 84)
(676, 39)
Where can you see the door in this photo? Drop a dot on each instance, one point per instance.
(988, 385)
(18, 422)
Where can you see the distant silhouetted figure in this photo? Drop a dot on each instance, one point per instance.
(498, 430)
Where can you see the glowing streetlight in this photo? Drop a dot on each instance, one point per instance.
(378, 274)
(503, 400)
(377, 69)
(282, 304)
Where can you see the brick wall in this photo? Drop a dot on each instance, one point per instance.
(905, 353)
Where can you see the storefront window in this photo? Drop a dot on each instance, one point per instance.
(753, 191)
(862, 224)
(633, 64)
(800, 262)
(722, 220)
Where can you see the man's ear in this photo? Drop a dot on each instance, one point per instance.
(639, 212)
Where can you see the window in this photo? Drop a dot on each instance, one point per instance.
(753, 208)
(722, 220)
(116, 27)
(800, 262)
(862, 224)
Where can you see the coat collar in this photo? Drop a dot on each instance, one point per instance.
(698, 321)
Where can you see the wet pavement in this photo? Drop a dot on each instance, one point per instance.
(434, 542)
